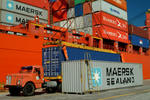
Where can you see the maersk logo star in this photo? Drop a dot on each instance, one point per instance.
(96, 77)
(10, 5)
(9, 18)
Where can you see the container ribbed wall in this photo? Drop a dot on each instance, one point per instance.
(105, 75)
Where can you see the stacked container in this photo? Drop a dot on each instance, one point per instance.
(101, 18)
(138, 36)
(14, 12)
(110, 20)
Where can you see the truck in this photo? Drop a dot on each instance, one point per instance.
(28, 79)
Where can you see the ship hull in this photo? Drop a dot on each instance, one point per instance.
(142, 59)
(17, 51)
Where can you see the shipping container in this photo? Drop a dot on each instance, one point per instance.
(79, 10)
(60, 15)
(87, 8)
(53, 56)
(41, 3)
(64, 24)
(110, 33)
(71, 23)
(88, 30)
(109, 20)
(87, 20)
(21, 8)
(101, 5)
(15, 19)
(59, 4)
(57, 24)
(71, 13)
(79, 23)
(71, 3)
(139, 41)
(80, 29)
(138, 31)
(79, 1)
(84, 76)
(119, 3)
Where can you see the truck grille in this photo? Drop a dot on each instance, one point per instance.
(8, 81)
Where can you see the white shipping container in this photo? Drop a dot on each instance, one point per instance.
(79, 22)
(71, 23)
(88, 30)
(101, 5)
(15, 19)
(80, 30)
(87, 20)
(71, 13)
(104, 75)
(64, 24)
(57, 24)
(21, 8)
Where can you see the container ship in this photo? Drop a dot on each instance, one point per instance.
(47, 32)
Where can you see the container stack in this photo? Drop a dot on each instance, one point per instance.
(138, 37)
(101, 18)
(14, 12)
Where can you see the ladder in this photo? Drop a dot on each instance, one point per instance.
(91, 88)
(87, 57)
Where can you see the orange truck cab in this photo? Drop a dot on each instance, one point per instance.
(27, 80)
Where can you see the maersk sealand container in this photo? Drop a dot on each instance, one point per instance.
(53, 56)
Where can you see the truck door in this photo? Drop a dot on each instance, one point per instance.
(38, 78)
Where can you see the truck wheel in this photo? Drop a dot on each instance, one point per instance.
(28, 89)
(59, 87)
(49, 90)
(14, 91)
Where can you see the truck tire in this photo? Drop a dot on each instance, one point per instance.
(14, 91)
(50, 90)
(59, 87)
(28, 89)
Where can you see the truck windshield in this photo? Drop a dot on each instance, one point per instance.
(26, 69)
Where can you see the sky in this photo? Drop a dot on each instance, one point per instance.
(136, 11)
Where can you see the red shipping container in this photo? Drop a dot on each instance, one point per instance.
(38, 3)
(59, 15)
(104, 31)
(107, 19)
(87, 8)
(71, 3)
(138, 31)
(59, 4)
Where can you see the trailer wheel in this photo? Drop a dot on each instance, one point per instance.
(50, 90)
(28, 89)
(59, 87)
(14, 91)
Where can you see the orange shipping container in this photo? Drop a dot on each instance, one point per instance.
(87, 8)
(110, 33)
(37, 3)
(109, 20)
(119, 3)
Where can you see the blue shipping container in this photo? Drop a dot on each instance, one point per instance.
(53, 56)
(79, 10)
(139, 41)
